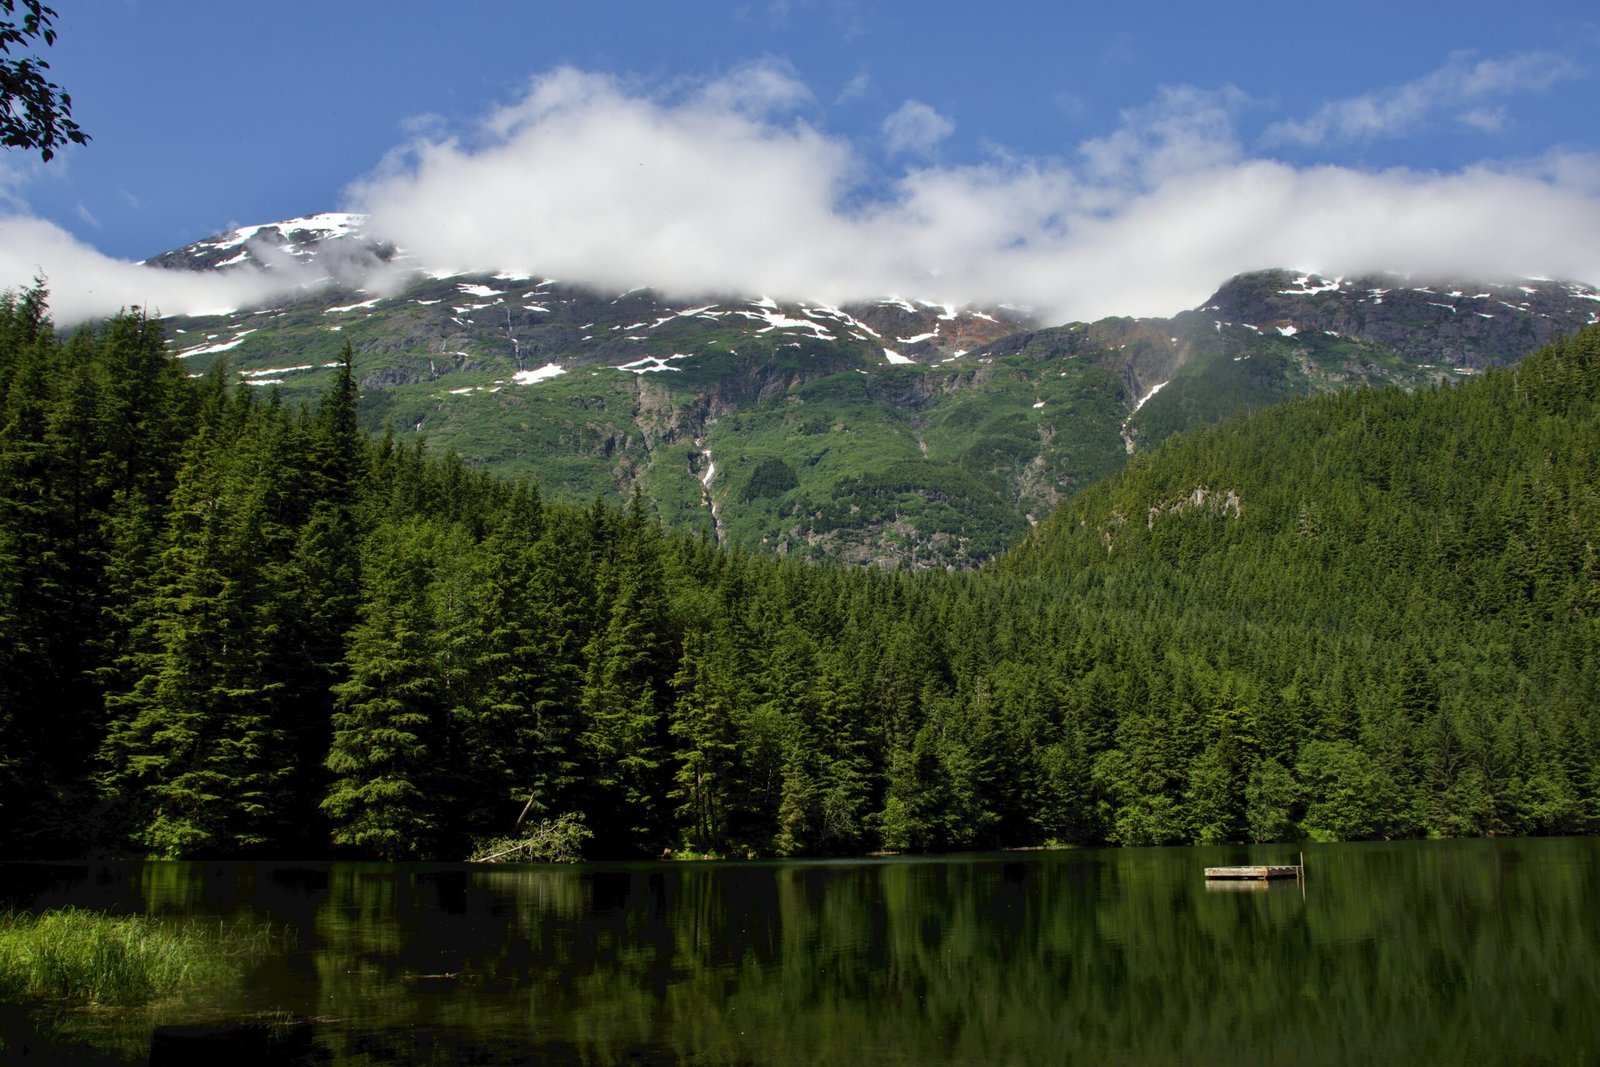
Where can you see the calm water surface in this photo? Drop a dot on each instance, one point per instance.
(1417, 952)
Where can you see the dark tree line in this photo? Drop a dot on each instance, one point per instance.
(232, 627)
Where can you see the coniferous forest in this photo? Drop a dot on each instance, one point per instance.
(232, 627)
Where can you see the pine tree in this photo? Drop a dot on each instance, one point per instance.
(387, 720)
(199, 753)
(30, 578)
(626, 694)
(707, 783)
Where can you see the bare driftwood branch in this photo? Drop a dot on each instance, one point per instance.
(524, 813)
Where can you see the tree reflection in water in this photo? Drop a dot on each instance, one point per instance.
(1476, 951)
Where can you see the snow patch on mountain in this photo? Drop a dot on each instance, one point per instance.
(654, 364)
(1127, 432)
(1311, 285)
(320, 227)
(544, 373)
(353, 307)
(212, 349)
(1154, 389)
(776, 320)
(843, 316)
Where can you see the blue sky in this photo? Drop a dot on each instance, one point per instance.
(1079, 159)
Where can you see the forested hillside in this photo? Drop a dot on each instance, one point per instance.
(232, 626)
(1406, 585)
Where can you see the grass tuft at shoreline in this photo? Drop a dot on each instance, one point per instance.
(77, 954)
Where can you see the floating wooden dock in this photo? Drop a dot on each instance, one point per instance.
(1253, 873)
(1259, 873)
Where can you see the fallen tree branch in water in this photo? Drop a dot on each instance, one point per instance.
(558, 840)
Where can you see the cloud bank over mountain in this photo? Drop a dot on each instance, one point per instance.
(587, 179)
(734, 185)
(85, 284)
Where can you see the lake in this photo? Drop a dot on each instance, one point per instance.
(1412, 952)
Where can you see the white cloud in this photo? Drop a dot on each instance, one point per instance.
(716, 188)
(1183, 130)
(1486, 119)
(767, 87)
(915, 128)
(11, 199)
(16, 172)
(85, 284)
(586, 179)
(696, 195)
(1459, 83)
(1578, 171)
(854, 89)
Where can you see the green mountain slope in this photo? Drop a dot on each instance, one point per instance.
(1394, 597)
(914, 433)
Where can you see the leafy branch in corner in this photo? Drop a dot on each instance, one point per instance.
(34, 112)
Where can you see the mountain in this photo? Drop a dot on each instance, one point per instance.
(325, 239)
(895, 432)
(239, 628)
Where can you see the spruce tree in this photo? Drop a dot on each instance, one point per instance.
(199, 752)
(387, 719)
(626, 694)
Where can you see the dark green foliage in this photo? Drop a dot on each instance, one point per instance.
(1397, 581)
(198, 748)
(89, 432)
(772, 477)
(232, 626)
(626, 695)
(389, 724)
(1249, 375)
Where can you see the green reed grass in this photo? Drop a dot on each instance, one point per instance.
(85, 955)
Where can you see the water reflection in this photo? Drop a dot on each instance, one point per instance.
(1476, 952)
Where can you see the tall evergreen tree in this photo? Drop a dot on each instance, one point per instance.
(199, 752)
(627, 693)
(708, 781)
(387, 722)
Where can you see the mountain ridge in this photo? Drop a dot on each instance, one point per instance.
(913, 433)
